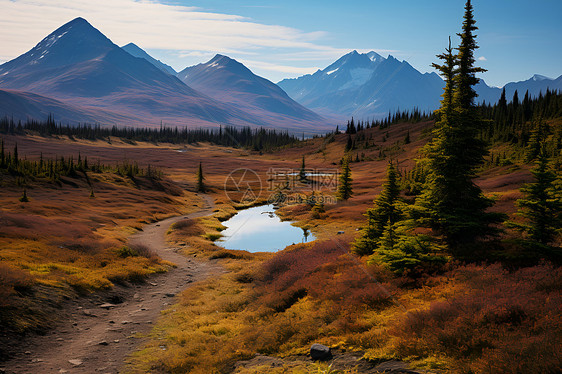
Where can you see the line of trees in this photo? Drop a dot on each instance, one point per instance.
(510, 122)
(259, 139)
(12, 163)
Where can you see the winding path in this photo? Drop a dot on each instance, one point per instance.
(96, 335)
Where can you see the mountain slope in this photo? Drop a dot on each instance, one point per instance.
(136, 51)
(227, 80)
(24, 105)
(77, 64)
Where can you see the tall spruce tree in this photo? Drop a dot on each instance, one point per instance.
(345, 189)
(453, 204)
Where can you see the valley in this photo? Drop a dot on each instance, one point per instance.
(183, 213)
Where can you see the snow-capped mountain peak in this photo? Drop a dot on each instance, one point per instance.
(538, 77)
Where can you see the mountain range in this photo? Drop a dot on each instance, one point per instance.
(369, 85)
(78, 67)
(77, 74)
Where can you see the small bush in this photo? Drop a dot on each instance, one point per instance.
(136, 250)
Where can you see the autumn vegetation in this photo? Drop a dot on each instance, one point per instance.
(468, 284)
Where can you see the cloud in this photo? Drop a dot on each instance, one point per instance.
(148, 23)
(262, 65)
(482, 58)
(177, 35)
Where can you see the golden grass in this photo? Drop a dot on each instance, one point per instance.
(317, 295)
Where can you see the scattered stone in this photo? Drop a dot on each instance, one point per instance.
(116, 341)
(75, 362)
(111, 321)
(136, 296)
(60, 339)
(107, 306)
(62, 371)
(103, 342)
(88, 313)
(35, 360)
(153, 284)
(27, 352)
(170, 295)
(320, 352)
(125, 322)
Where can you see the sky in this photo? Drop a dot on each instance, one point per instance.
(288, 38)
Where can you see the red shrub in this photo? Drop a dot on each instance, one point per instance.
(506, 322)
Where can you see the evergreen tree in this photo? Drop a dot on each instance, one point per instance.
(2, 155)
(15, 157)
(387, 210)
(537, 140)
(542, 204)
(349, 144)
(24, 198)
(200, 184)
(453, 204)
(345, 189)
(302, 171)
(404, 253)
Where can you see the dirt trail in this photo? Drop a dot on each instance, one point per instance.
(95, 339)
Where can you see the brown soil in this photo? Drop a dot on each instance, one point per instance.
(96, 334)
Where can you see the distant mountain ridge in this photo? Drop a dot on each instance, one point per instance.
(534, 85)
(78, 66)
(369, 86)
(79, 75)
(365, 85)
(227, 80)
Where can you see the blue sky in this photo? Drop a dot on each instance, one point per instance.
(279, 39)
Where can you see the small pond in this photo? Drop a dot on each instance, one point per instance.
(259, 229)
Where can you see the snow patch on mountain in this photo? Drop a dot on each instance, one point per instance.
(359, 77)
